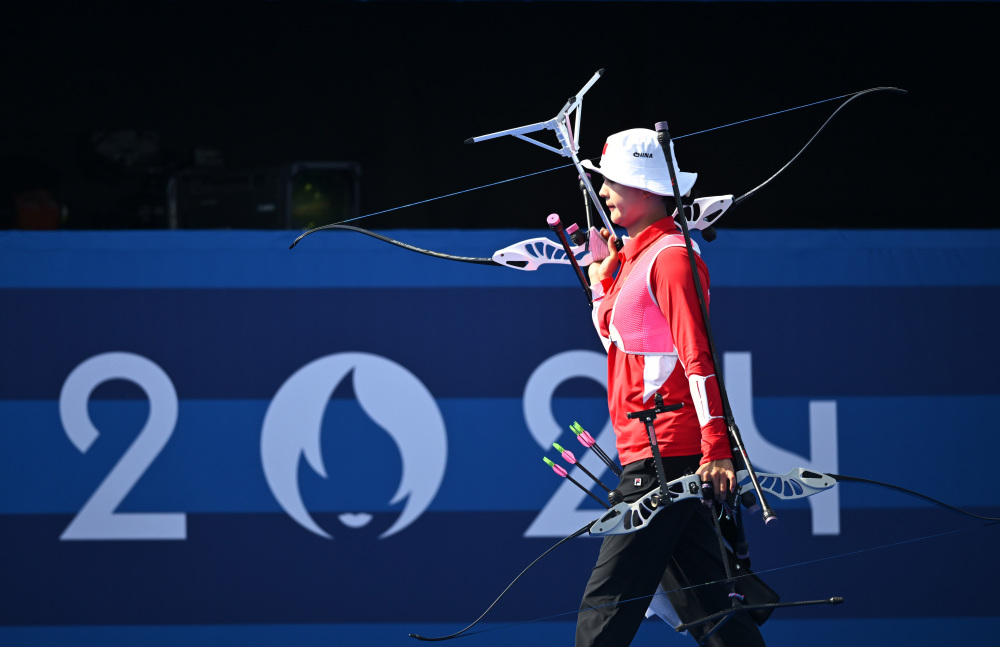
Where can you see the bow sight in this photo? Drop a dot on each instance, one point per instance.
(569, 140)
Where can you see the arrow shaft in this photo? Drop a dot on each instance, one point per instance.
(594, 478)
(591, 494)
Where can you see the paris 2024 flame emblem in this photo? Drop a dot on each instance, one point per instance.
(391, 396)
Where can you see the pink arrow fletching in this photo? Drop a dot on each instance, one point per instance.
(559, 470)
(586, 439)
(569, 457)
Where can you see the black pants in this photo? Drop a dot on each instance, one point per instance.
(679, 548)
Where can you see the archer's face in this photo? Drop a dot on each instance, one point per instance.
(629, 207)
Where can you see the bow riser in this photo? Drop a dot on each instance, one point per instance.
(631, 517)
(704, 212)
(798, 483)
(531, 254)
(624, 518)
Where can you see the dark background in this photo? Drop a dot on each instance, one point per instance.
(398, 87)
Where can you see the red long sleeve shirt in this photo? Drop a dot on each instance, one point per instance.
(678, 433)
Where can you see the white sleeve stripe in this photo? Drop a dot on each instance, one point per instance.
(700, 397)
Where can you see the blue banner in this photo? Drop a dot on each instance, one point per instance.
(210, 432)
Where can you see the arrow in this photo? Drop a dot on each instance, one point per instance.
(571, 459)
(563, 473)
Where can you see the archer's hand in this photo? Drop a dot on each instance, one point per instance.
(605, 269)
(721, 475)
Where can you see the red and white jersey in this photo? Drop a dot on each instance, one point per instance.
(650, 321)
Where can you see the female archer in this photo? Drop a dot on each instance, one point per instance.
(647, 313)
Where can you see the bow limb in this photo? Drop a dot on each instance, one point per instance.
(799, 483)
(815, 135)
(397, 243)
(855, 479)
(704, 212)
(489, 608)
(525, 255)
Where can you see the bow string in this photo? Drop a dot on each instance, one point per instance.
(552, 255)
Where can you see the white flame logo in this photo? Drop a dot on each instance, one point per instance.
(391, 396)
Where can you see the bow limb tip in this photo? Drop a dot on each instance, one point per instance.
(306, 233)
(301, 236)
(432, 639)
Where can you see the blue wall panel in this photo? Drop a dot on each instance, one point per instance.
(438, 388)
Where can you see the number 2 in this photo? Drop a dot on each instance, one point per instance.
(97, 518)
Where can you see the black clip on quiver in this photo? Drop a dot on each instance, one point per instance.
(740, 458)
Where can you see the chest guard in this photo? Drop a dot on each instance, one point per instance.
(637, 326)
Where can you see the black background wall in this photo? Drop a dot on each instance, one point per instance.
(398, 87)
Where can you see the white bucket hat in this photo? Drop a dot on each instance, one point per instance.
(634, 158)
